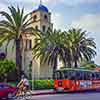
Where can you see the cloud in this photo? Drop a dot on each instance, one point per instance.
(70, 2)
(4, 4)
(56, 19)
(88, 21)
(3, 7)
(50, 2)
(30, 4)
(91, 23)
(77, 2)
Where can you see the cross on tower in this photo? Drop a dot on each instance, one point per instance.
(40, 1)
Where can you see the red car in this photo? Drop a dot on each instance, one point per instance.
(6, 90)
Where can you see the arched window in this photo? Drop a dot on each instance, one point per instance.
(45, 17)
(35, 17)
(49, 28)
(44, 28)
(36, 27)
(28, 44)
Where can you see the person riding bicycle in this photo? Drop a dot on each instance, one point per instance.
(25, 81)
(23, 90)
(23, 84)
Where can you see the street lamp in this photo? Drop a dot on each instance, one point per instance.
(31, 70)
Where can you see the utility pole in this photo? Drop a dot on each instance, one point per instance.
(31, 74)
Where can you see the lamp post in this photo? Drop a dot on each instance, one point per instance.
(31, 74)
(32, 78)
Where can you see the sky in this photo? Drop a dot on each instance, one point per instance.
(66, 14)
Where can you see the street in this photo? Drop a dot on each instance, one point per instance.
(73, 96)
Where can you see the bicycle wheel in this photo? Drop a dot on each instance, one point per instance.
(19, 96)
(28, 95)
(10, 96)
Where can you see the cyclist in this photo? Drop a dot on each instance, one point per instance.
(25, 82)
(23, 85)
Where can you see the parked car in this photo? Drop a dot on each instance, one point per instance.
(6, 90)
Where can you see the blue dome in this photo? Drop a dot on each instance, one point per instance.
(43, 8)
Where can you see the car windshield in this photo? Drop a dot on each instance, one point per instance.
(58, 75)
(2, 86)
(77, 74)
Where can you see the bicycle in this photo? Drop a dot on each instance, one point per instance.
(22, 93)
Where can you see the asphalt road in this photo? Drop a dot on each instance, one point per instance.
(69, 96)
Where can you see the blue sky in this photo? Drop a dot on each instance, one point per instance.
(66, 14)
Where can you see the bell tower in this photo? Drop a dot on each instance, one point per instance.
(42, 18)
(42, 21)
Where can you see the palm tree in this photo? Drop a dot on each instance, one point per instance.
(70, 47)
(81, 47)
(49, 47)
(12, 27)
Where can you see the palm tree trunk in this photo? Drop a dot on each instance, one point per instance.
(75, 64)
(18, 59)
(5, 78)
(54, 66)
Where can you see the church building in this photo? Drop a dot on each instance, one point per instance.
(41, 20)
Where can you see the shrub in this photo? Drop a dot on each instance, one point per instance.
(38, 84)
(42, 84)
(13, 83)
(6, 66)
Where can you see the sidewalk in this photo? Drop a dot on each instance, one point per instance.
(42, 92)
(49, 92)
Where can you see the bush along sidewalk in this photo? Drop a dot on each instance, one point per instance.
(13, 83)
(37, 84)
(41, 84)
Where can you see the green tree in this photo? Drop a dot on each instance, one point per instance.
(49, 47)
(6, 66)
(70, 47)
(91, 66)
(2, 56)
(12, 27)
(81, 47)
(30, 70)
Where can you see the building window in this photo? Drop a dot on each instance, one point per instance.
(28, 44)
(44, 28)
(49, 28)
(35, 17)
(36, 27)
(45, 17)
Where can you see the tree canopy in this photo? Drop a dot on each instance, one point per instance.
(13, 26)
(6, 66)
(71, 47)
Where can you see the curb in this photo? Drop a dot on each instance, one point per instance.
(53, 92)
(44, 93)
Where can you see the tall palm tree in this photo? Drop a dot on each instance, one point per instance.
(70, 47)
(12, 27)
(81, 47)
(49, 47)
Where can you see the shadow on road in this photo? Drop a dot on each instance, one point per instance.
(81, 92)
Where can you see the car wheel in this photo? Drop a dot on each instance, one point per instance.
(10, 95)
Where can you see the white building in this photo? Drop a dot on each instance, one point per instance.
(41, 20)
